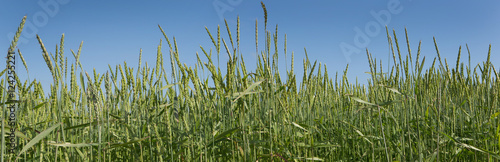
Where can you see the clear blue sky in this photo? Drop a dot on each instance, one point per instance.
(114, 32)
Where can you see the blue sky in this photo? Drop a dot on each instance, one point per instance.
(114, 32)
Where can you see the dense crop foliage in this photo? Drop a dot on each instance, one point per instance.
(146, 113)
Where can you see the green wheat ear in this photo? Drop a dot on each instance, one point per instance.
(46, 57)
(24, 62)
(17, 35)
(265, 14)
(158, 59)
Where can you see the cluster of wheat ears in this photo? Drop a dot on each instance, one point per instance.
(148, 114)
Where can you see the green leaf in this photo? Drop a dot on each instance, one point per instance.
(389, 102)
(391, 89)
(311, 158)
(223, 135)
(39, 137)
(321, 145)
(361, 101)
(299, 126)
(39, 105)
(248, 90)
(74, 145)
(128, 143)
(227, 133)
(167, 86)
(471, 147)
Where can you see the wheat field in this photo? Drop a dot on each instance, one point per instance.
(144, 113)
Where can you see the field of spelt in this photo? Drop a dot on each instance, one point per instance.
(144, 113)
